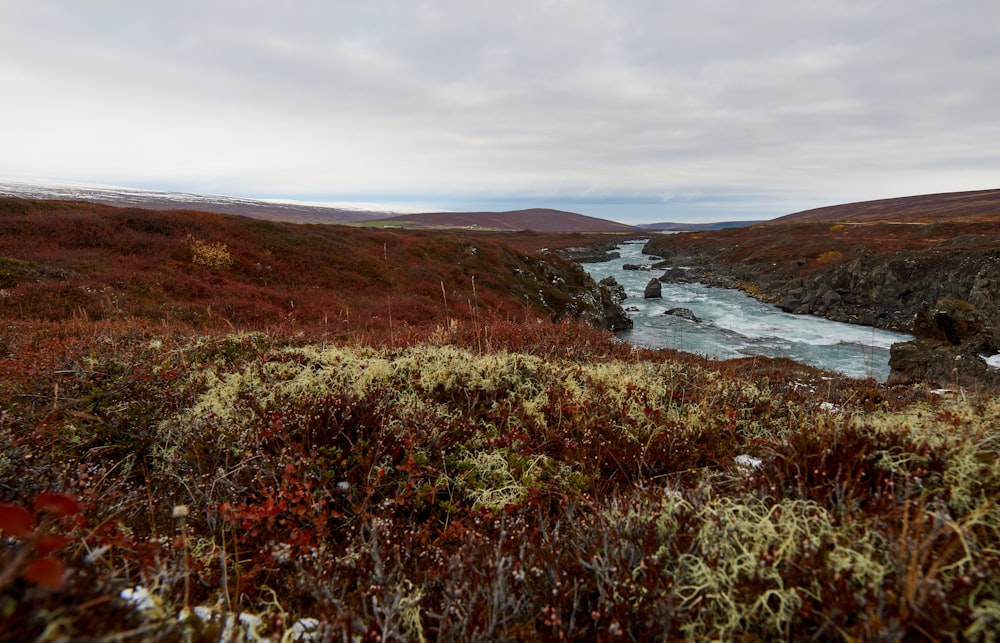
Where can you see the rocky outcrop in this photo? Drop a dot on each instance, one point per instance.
(888, 290)
(676, 275)
(613, 317)
(883, 290)
(897, 290)
(615, 289)
(653, 290)
(608, 312)
(950, 339)
(565, 290)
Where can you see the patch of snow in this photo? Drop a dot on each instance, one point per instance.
(139, 597)
(993, 361)
(304, 629)
(244, 625)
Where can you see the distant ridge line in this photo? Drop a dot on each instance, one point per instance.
(537, 219)
(668, 226)
(926, 206)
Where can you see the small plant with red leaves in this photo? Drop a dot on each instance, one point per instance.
(33, 559)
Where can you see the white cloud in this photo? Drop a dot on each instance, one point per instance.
(805, 102)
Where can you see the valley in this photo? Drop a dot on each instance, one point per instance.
(222, 427)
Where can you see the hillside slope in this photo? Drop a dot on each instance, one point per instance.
(61, 260)
(923, 208)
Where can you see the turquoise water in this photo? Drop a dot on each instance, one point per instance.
(736, 325)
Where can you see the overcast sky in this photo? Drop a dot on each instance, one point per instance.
(634, 110)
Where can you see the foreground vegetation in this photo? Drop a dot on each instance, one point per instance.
(489, 483)
(469, 470)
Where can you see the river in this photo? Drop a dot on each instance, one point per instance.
(733, 324)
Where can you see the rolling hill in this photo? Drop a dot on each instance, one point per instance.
(923, 208)
(204, 269)
(537, 219)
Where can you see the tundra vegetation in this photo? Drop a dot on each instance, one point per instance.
(479, 469)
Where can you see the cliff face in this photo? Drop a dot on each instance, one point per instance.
(950, 338)
(565, 289)
(883, 290)
(888, 290)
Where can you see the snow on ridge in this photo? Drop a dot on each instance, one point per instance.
(72, 190)
(354, 206)
(77, 191)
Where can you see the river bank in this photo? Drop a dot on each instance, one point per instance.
(726, 323)
(941, 274)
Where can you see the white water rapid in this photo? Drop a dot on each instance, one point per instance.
(733, 324)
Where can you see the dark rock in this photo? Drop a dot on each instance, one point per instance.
(923, 360)
(633, 266)
(792, 303)
(565, 291)
(683, 313)
(830, 298)
(616, 290)
(654, 290)
(951, 321)
(615, 318)
(949, 339)
(675, 275)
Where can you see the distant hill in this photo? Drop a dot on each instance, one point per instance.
(159, 200)
(668, 226)
(537, 219)
(924, 208)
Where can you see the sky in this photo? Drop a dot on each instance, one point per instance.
(631, 110)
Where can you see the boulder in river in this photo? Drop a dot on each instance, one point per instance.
(683, 313)
(676, 274)
(654, 290)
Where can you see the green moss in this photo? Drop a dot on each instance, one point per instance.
(14, 271)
